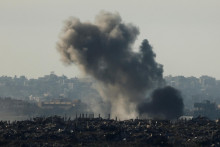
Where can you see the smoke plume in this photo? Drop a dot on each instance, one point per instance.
(166, 103)
(103, 50)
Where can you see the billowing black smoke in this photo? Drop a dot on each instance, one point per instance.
(166, 103)
(103, 50)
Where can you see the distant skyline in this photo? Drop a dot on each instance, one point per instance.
(185, 34)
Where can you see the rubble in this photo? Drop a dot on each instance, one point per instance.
(59, 131)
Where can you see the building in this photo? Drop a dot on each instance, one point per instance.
(206, 109)
(62, 103)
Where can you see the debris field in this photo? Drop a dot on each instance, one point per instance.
(60, 131)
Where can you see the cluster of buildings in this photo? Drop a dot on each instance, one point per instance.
(201, 95)
(46, 87)
(196, 89)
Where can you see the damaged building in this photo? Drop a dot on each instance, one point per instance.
(207, 109)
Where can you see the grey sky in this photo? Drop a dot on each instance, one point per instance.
(185, 34)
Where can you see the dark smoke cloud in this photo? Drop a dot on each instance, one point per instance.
(166, 103)
(103, 50)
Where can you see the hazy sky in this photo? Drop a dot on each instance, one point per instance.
(185, 34)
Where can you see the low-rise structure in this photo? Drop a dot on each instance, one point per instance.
(59, 103)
